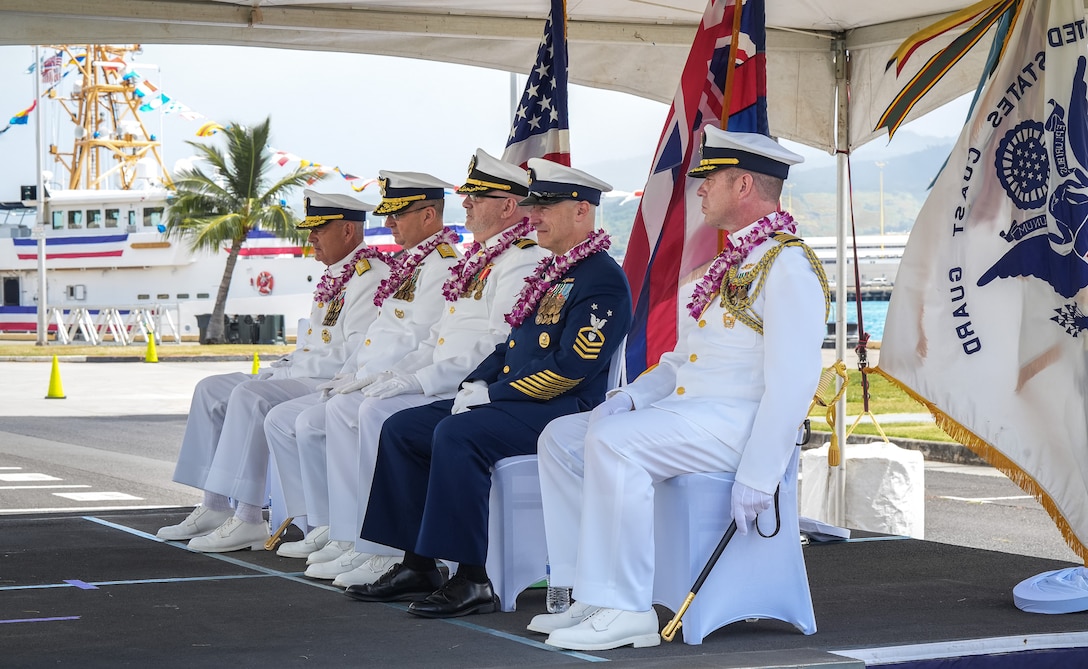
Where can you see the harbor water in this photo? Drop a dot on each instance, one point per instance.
(873, 314)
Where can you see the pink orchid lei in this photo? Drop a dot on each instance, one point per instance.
(550, 269)
(474, 260)
(710, 284)
(330, 286)
(407, 262)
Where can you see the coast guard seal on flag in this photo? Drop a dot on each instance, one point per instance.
(987, 323)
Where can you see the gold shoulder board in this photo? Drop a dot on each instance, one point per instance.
(446, 251)
(362, 267)
(785, 238)
(524, 243)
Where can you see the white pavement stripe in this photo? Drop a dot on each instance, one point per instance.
(42, 487)
(84, 509)
(96, 496)
(13, 478)
(984, 500)
(9, 468)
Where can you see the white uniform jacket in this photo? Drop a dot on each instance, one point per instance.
(336, 327)
(749, 390)
(471, 328)
(407, 315)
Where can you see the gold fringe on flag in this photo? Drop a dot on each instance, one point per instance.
(996, 459)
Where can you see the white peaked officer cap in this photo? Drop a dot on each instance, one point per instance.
(401, 189)
(486, 173)
(324, 207)
(746, 150)
(551, 182)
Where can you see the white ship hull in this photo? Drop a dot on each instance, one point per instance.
(115, 256)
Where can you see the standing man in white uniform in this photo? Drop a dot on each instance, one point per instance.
(478, 296)
(729, 398)
(411, 302)
(223, 451)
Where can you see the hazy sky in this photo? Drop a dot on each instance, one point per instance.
(360, 113)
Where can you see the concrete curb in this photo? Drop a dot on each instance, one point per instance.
(937, 451)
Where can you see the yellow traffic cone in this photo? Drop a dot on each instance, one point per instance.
(151, 355)
(256, 364)
(56, 392)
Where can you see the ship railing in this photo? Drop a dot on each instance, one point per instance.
(124, 325)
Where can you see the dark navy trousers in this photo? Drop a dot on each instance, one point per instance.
(432, 478)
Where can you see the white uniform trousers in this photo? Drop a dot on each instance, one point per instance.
(597, 489)
(203, 427)
(353, 424)
(280, 427)
(239, 467)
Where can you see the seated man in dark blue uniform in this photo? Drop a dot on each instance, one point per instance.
(433, 473)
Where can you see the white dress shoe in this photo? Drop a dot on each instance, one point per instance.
(233, 535)
(198, 523)
(546, 623)
(368, 572)
(314, 541)
(333, 568)
(607, 629)
(331, 551)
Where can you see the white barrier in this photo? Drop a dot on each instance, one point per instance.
(125, 324)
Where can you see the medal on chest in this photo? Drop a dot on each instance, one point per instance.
(332, 313)
(547, 312)
(475, 288)
(407, 289)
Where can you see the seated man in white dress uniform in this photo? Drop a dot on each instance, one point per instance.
(730, 397)
(337, 464)
(411, 302)
(223, 451)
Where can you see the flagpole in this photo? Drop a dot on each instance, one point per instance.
(727, 93)
(39, 204)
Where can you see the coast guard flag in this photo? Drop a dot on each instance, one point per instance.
(540, 128)
(669, 244)
(989, 319)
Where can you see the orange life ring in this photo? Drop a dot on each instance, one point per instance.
(264, 283)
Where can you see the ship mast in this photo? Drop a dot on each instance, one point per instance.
(111, 138)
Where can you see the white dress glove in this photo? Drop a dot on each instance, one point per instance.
(398, 384)
(747, 504)
(359, 384)
(329, 387)
(471, 394)
(282, 362)
(619, 403)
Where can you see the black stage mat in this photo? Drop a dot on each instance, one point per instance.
(99, 590)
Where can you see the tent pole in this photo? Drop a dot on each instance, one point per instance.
(837, 483)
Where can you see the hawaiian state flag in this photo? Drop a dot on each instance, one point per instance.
(669, 244)
(988, 321)
(540, 128)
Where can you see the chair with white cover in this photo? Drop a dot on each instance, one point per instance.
(517, 551)
(756, 577)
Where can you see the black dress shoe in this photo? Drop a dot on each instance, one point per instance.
(458, 597)
(399, 584)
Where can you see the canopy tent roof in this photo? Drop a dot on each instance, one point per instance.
(635, 46)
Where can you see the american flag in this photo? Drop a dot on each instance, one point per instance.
(540, 128)
(51, 68)
(669, 244)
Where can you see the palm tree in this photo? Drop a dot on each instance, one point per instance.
(210, 209)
